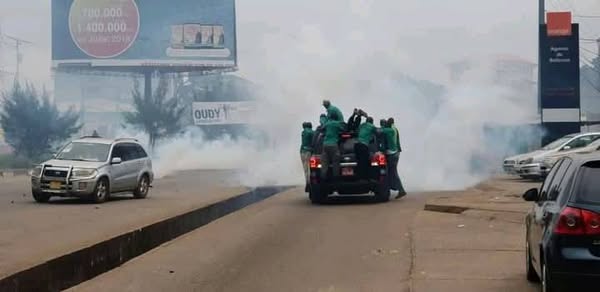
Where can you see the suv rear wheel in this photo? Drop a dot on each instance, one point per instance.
(141, 191)
(101, 192)
(41, 197)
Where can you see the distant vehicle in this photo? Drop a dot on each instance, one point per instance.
(348, 182)
(552, 159)
(563, 227)
(530, 166)
(94, 168)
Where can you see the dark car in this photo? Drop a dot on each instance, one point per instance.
(563, 227)
(348, 182)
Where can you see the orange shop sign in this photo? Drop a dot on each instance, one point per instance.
(559, 24)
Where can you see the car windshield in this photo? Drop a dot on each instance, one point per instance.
(588, 190)
(81, 151)
(557, 143)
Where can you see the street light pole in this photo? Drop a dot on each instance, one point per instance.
(542, 21)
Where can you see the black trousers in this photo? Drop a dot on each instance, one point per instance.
(362, 158)
(330, 159)
(394, 178)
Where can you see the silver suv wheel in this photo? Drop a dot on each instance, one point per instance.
(101, 192)
(142, 188)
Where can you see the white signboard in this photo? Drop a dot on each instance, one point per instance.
(223, 113)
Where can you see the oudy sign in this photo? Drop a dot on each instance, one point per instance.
(223, 113)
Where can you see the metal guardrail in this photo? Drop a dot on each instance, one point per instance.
(13, 172)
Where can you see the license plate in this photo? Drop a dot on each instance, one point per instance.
(55, 185)
(347, 171)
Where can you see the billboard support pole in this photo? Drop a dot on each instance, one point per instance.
(148, 84)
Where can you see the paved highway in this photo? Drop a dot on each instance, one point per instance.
(286, 244)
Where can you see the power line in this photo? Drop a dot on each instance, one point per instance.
(18, 43)
(586, 16)
(588, 50)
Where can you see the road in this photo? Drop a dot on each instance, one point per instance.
(32, 233)
(286, 244)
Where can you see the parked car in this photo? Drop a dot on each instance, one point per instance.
(530, 166)
(552, 159)
(562, 244)
(94, 168)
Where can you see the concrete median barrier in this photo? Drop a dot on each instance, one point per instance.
(74, 268)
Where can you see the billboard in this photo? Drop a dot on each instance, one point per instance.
(560, 84)
(223, 113)
(131, 33)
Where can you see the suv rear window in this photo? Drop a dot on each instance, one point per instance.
(588, 184)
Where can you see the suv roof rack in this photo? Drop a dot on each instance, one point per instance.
(88, 137)
(126, 139)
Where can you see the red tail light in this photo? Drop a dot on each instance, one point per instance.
(574, 221)
(378, 160)
(346, 136)
(315, 162)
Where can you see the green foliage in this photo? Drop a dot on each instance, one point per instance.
(32, 124)
(155, 114)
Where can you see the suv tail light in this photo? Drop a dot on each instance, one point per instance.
(315, 162)
(575, 221)
(378, 160)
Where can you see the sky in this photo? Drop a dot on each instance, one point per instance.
(424, 34)
(352, 52)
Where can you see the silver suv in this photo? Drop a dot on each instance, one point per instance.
(94, 168)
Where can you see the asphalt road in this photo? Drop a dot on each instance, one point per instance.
(282, 244)
(286, 244)
(32, 233)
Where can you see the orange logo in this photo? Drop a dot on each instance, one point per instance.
(559, 24)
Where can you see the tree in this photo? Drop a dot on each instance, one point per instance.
(155, 114)
(32, 124)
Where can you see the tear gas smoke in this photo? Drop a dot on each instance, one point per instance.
(350, 56)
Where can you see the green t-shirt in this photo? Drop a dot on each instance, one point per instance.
(307, 139)
(366, 131)
(333, 130)
(391, 140)
(333, 109)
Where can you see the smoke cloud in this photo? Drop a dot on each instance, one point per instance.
(349, 53)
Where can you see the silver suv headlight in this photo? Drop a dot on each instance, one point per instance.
(36, 171)
(84, 173)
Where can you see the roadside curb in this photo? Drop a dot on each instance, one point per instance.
(459, 209)
(74, 268)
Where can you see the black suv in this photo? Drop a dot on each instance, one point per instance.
(347, 182)
(563, 227)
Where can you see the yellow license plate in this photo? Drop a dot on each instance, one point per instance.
(55, 185)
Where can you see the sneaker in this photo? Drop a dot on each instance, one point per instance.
(401, 194)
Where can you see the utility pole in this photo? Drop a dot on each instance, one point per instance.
(18, 43)
(542, 21)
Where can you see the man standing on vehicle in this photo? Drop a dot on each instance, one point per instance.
(331, 110)
(331, 151)
(306, 151)
(392, 156)
(366, 132)
(381, 143)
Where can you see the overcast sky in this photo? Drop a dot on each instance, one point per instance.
(422, 34)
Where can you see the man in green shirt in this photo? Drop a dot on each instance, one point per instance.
(331, 151)
(366, 132)
(306, 149)
(393, 156)
(333, 113)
